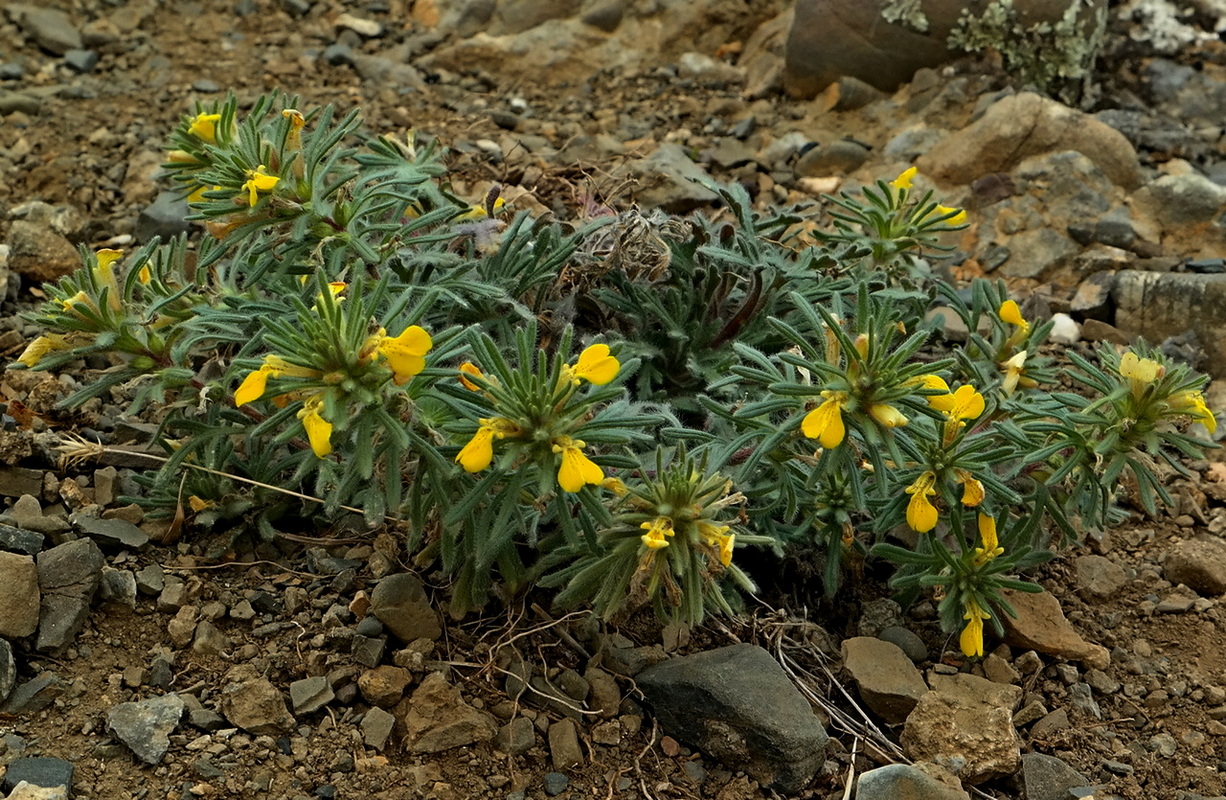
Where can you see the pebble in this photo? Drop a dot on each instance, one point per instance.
(907, 640)
(554, 783)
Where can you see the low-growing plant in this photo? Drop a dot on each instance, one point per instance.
(350, 330)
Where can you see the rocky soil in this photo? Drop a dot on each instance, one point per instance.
(134, 664)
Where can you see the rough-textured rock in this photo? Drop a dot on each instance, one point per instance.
(1159, 305)
(383, 686)
(832, 38)
(965, 724)
(668, 179)
(400, 603)
(1198, 563)
(839, 157)
(145, 726)
(1039, 253)
(564, 750)
(516, 737)
(903, 782)
(8, 670)
(737, 705)
(1046, 777)
(889, 683)
(435, 718)
(39, 771)
(252, 703)
(68, 576)
(1025, 125)
(1175, 201)
(19, 596)
(377, 726)
(1098, 577)
(28, 791)
(39, 253)
(1040, 625)
(310, 694)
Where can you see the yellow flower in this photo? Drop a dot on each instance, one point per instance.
(1140, 372)
(181, 157)
(1013, 372)
(145, 275)
(903, 181)
(932, 382)
(259, 181)
(1193, 405)
(576, 469)
(825, 423)
(253, 386)
(921, 513)
(469, 368)
(972, 488)
(956, 219)
(991, 545)
(479, 452)
(972, 635)
(78, 299)
(40, 347)
(887, 416)
(595, 365)
(1010, 312)
(964, 403)
(405, 353)
(658, 530)
(615, 486)
(717, 536)
(318, 429)
(105, 273)
(479, 212)
(204, 127)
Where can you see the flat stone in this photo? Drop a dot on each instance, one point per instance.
(50, 28)
(34, 695)
(1159, 305)
(19, 596)
(1049, 778)
(39, 771)
(116, 534)
(965, 724)
(1098, 577)
(1040, 625)
(737, 705)
(377, 726)
(669, 180)
(69, 575)
(165, 217)
(1051, 723)
(21, 541)
(903, 782)
(516, 737)
(310, 694)
(145, 726)
(400, 603)
(564, 750)
(889, 682)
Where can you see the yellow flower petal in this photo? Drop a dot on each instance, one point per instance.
(204, 127)
(479, 452)
(1193, 404)
(40, 347)
(933, 382)
(469, 368)
(1142, 370)
(903, 181)
(725, 549)
(1010, 312)
(595, 365)
(404, 352)
(577, 470)
(921, 513)
(259, 181)
(252, 387)
(319, 433)
(971, 639)
(964, 403)
(1014, 368)
(887, 416)
(145, 275)
(825, 423)
(956, 219)
(987, 533)
(972, 488)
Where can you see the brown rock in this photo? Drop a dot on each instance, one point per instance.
(400, 603)
(965, 724)
(435, 718)
(889, 683)
(19, 596)
(252, 703)
(38, 253)
(1025, 125)
(1198, 563)
(384, 686)
(1040, 625)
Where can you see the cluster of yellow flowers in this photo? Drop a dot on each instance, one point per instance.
(575, 470)
(903, 182)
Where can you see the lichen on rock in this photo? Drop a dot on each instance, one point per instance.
(1045, 55)
(907, 13)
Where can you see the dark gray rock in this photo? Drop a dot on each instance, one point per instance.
(69, 575)
(736, 704)
(368, 650)
(839, 157)
(400, 603)
(111, 533)
(554, 783)
(81, 61)
(19, 540)
(377, 726)
(903, 782)
(8, 670)
(145, 726)
(516, 737)
(1039, 252)
(39, 771)
(118, 586)
(34, 695)
(310, 694)
(1046, 777)
(151, 580)
(1093, 297)
(165, 217)
(908, 640)
(338, 55)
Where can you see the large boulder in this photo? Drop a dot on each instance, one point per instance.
(1157, 305)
